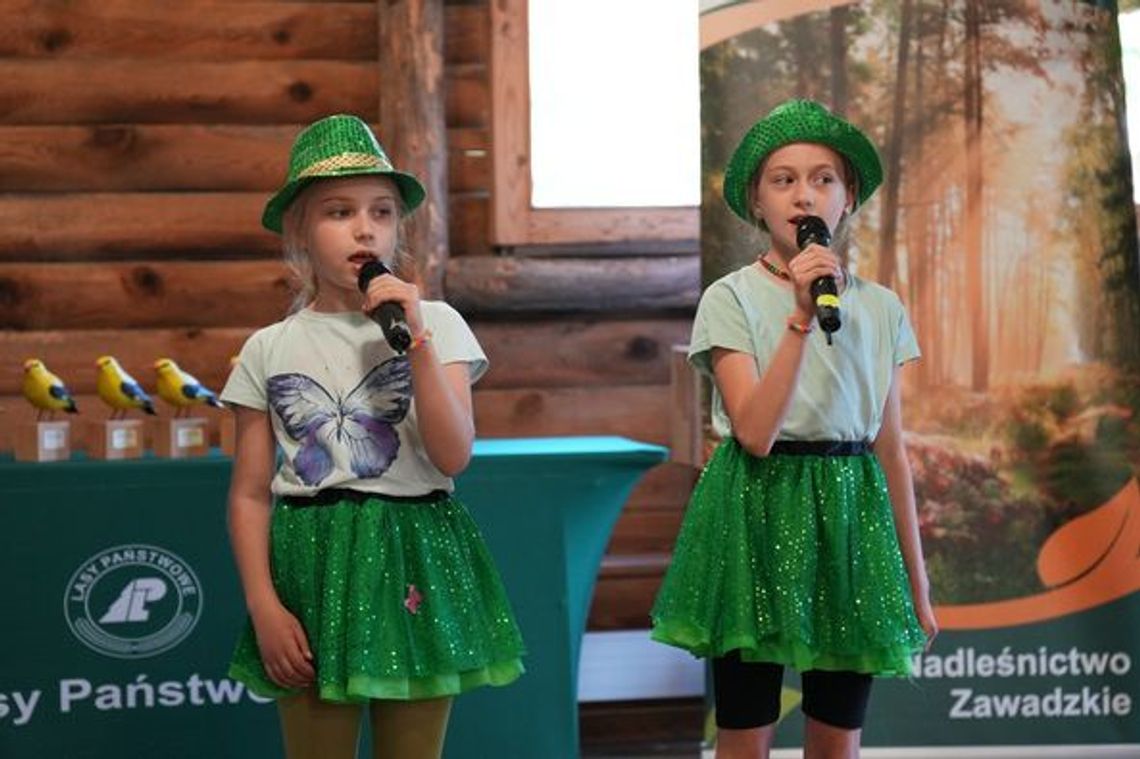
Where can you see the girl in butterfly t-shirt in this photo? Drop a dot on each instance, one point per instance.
(365, 579)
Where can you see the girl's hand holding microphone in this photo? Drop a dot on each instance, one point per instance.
(388, 288)
(810, 264)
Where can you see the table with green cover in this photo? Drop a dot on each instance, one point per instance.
(122, 604)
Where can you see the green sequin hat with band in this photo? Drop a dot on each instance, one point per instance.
(337, 146)
(799, 121)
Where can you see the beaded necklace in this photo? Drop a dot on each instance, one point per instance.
(775, 270)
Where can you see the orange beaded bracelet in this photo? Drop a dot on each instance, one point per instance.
(803, 329)
(419, 340)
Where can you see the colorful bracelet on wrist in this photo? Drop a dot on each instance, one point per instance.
(803, 328)
(419, 340)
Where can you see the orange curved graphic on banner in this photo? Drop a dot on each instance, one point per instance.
(719, 24)
(1089, 562)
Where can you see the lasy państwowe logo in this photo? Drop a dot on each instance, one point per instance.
(133, 601)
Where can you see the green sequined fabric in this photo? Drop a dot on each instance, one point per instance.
(794, 560)
(398, 600)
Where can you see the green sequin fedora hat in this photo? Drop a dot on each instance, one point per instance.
(337, 146)
(799, 121)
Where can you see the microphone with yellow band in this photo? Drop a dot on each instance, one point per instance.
(809, 230)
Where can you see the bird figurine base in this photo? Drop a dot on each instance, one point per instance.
(180, 438)
(43, 441)
(115, 439)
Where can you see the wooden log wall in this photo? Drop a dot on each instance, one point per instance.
(138, 144)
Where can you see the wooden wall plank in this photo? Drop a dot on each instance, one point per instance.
(192, 92)
(640, 412)
(646, 531)
(468, 33)
(468, 97)
(134, 157)
(467, 228)
(688, 392)
(469, 163)
(514, 284)
(109, 226)
(248, 92)
(257, 30)
(623, 601)
(555, 352)
(167, 157)
(665, 486)
(141, 295)
(475, 139)
(117, 226)
(653, 727)
(285, 2)
(135, 29)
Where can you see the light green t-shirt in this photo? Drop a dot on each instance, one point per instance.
(340, 400)
(842, 387)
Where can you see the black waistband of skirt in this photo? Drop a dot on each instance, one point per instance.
(820, 448)
(329, 496)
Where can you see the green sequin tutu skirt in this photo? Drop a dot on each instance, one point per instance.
(398, 600)
(792, 559)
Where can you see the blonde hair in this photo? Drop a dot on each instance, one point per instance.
(295, 250)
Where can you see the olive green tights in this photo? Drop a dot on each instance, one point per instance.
(315, 729)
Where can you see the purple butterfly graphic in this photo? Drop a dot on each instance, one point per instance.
(360, 423)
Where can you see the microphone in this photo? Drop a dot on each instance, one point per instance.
(812, 229)
(389, 314)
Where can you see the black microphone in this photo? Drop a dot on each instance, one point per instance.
(389, 314)
(812, 229)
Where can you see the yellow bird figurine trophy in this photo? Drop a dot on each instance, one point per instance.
(181, 436)
(118, 437)
(45, 439)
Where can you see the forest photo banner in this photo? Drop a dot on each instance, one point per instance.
(1006, 225)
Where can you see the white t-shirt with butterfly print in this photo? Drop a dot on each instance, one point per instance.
(340, 400)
